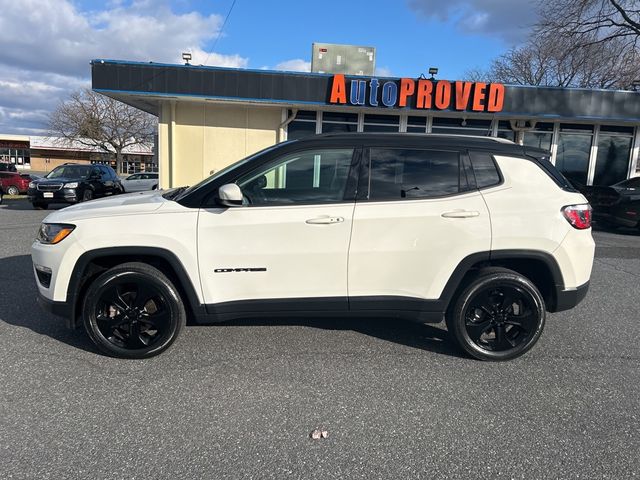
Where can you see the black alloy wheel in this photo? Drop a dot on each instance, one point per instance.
(499, 316)
(87, 195)
(133, 311)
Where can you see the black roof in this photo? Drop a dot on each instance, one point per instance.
(423, 140)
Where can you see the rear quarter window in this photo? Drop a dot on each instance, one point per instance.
(484, 169)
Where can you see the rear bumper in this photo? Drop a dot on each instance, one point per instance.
(567, 299)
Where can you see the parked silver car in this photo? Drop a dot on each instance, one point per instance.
(140, 181)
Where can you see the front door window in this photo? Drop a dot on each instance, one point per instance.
(308, 177)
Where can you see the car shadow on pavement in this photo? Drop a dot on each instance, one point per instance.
(19, 306)
(24, 204)
(403, 332)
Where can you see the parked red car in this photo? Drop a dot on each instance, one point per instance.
(13, 183)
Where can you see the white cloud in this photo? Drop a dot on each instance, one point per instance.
(200, 57)
(383, 72)
(294, 65)
(510, 20)
(46, 47)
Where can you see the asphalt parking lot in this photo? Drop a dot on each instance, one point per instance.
(397, 399)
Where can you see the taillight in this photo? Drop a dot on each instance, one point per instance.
(579, 216)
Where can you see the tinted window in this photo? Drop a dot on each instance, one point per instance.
(484, 169)
(631, 183)
(313, 176)
(104, 174)
(402, 173)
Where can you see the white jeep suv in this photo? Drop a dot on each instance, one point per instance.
(482, 233)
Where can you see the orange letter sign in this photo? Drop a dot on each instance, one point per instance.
(443, 95)
(496, 97)
(338, 90)
(423, 98)
(478, 97)
(463, 92)
(407, 87)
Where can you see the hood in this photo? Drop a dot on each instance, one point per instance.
(59, 180)
(127, 204)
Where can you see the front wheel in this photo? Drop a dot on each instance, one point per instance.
(499, 316)
(13, 190)
(133, 311)
(87, 195)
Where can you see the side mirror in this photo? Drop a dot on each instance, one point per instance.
(230, 195)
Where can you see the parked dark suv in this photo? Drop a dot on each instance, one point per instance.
(72, 183)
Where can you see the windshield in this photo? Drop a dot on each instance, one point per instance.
(75, 171)
(224, 171)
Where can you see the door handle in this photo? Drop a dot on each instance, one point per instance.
(461, 214)
(326, 220)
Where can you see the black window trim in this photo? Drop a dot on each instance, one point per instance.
(364, 181)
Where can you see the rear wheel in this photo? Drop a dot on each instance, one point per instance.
(133, 311)
(499, 316)
(13, 190)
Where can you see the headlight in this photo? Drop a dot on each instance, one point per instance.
(52, 233)
(32, 185)
(71, 185)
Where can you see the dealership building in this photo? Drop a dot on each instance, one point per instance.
(210, 117)
(42, 154)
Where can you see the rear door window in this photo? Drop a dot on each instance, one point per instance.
(406, 174)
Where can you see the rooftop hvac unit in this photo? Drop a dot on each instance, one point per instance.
(347, 59)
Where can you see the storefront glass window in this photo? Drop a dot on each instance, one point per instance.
(417, 124)
(339, 122)
(612, 161)
(572, 158)
(538, 140)
(504, 130)
(297, 129)
(381, 123)
(461, 126)
(304, 125)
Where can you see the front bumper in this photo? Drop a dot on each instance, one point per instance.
(60, 309)
(64, 195)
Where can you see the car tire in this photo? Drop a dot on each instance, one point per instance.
(155, 187)
(40, 206)
(1, 195)
(87, 195)
(499, 315)
(133, 311)
(13, 190)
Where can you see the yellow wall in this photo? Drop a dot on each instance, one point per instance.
(208, 137)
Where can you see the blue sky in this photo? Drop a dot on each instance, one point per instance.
(47, 44)
(407, 42)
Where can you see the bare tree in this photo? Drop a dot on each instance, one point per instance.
(587, 22)
(553, 60)
(96, 120)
